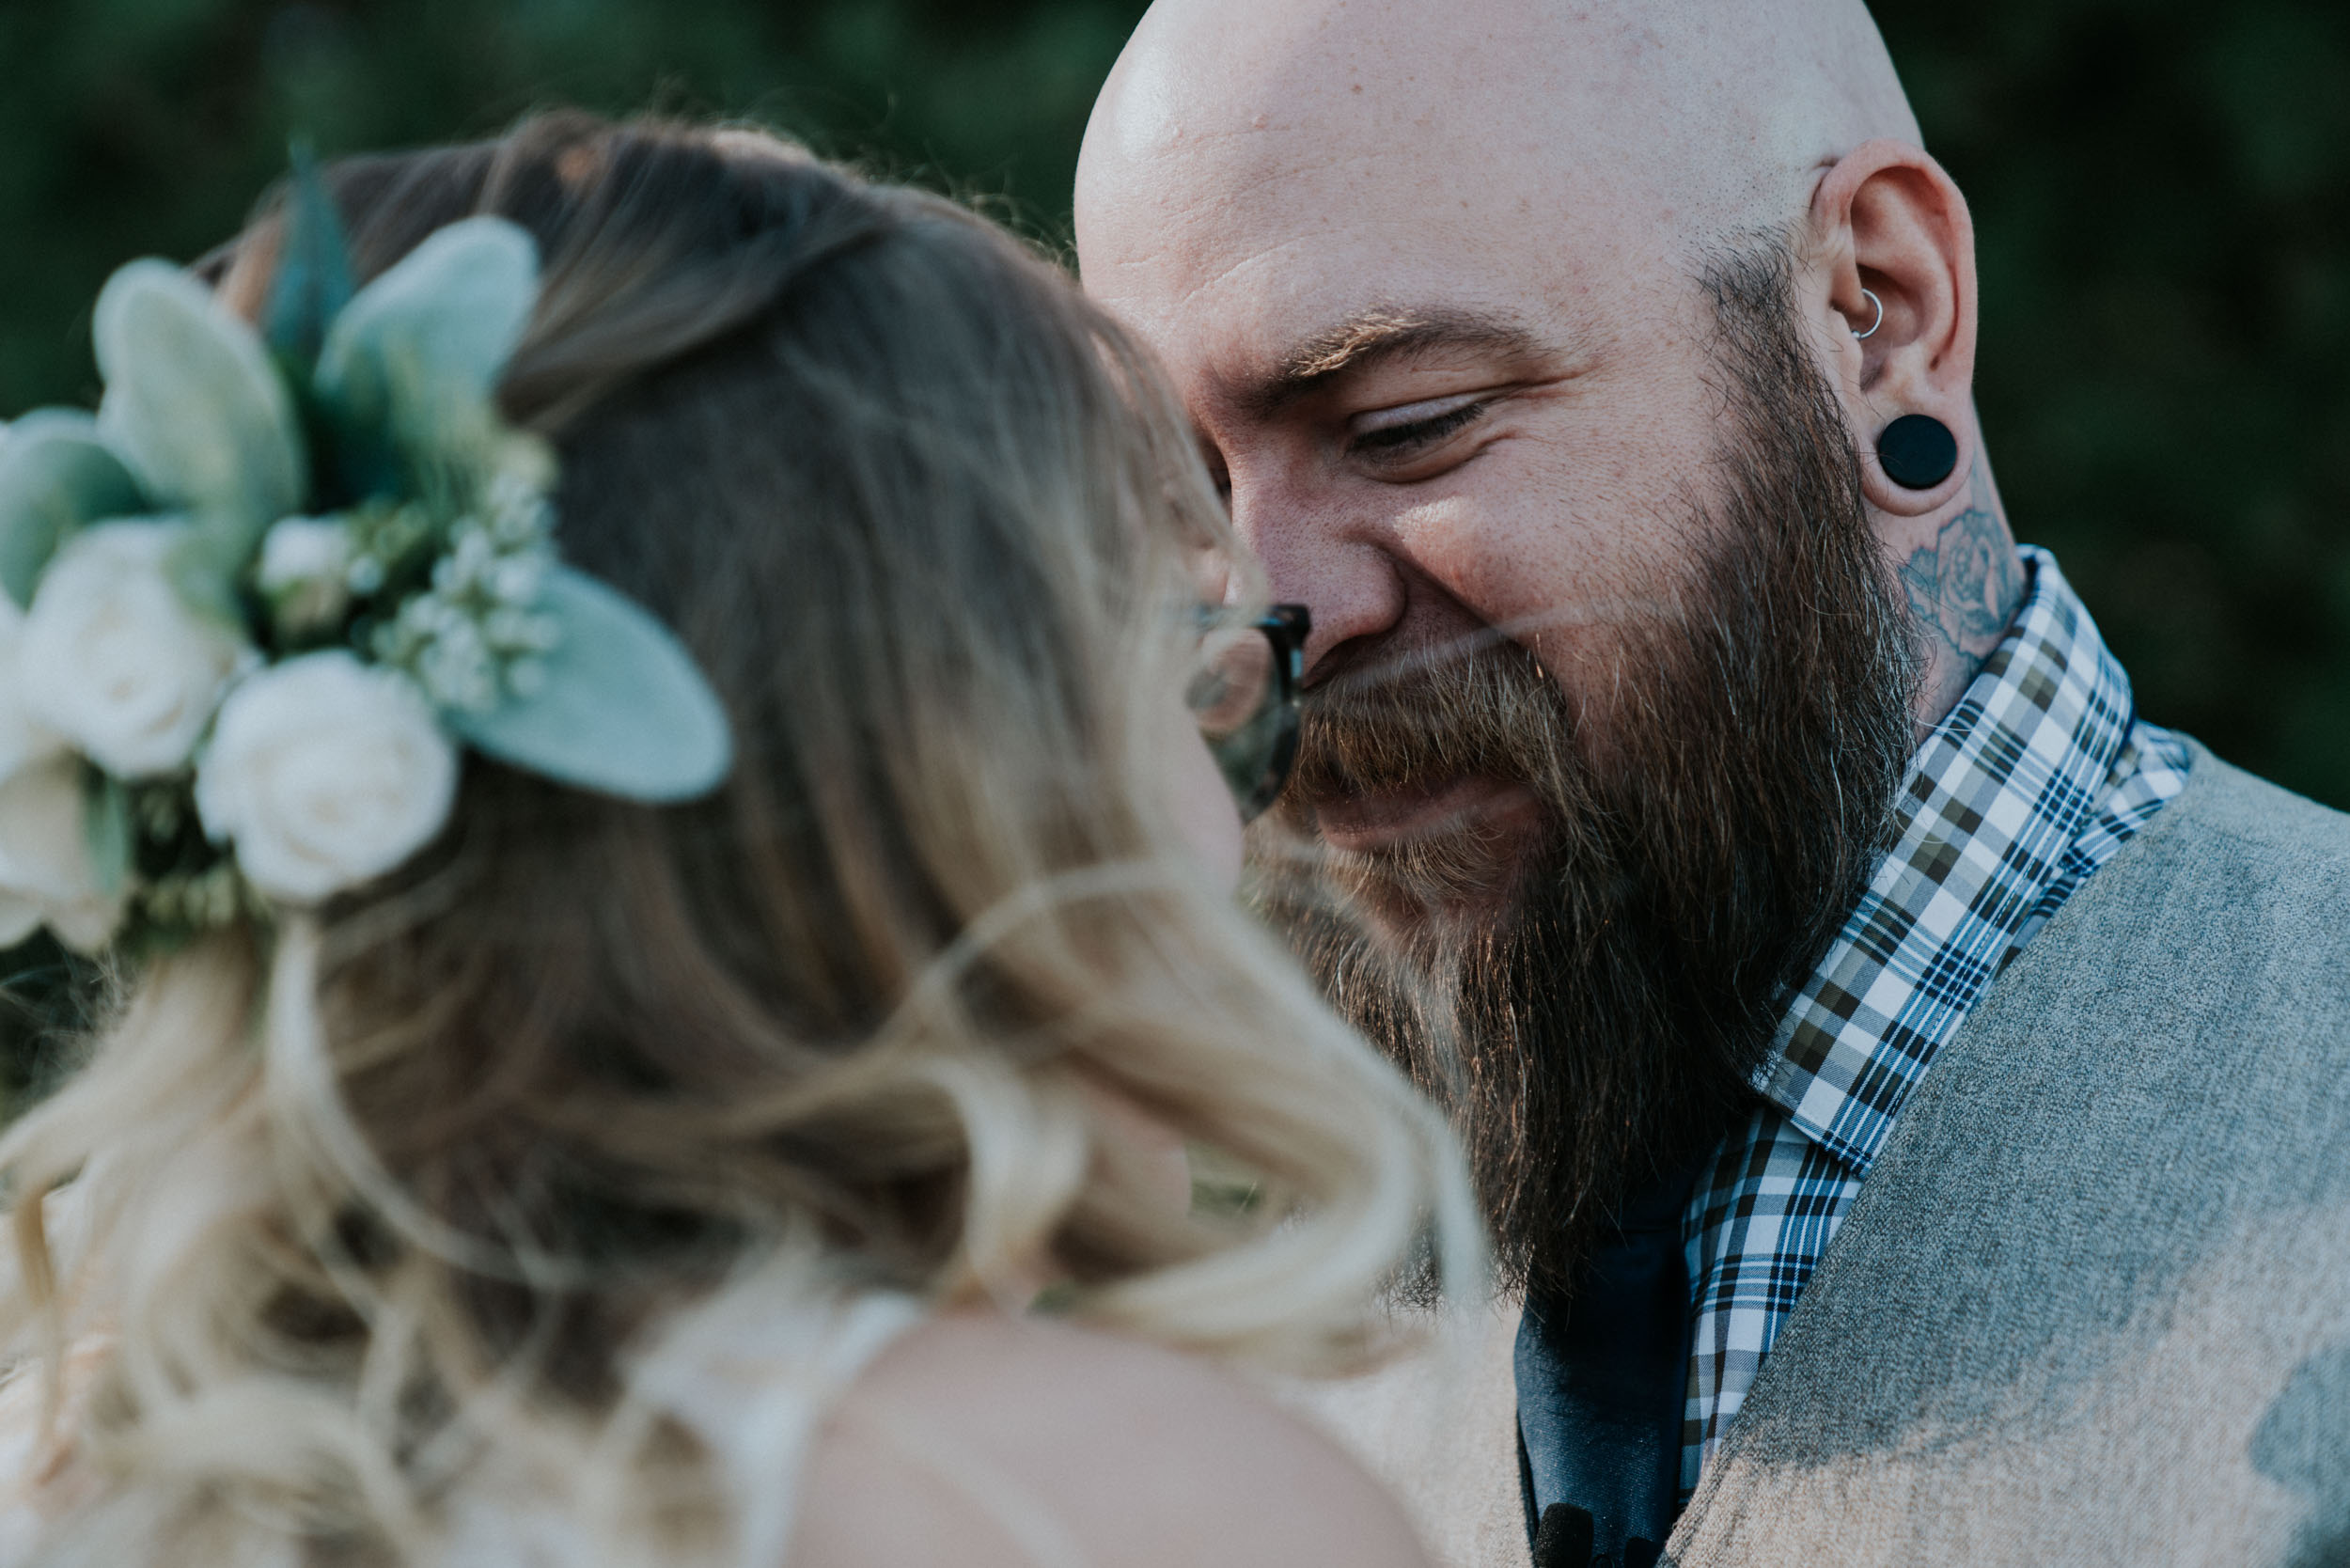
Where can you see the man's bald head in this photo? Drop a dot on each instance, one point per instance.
(1686, 119)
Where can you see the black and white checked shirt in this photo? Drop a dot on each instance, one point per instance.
(2039, 775)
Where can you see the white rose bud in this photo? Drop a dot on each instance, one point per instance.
(324, 773)
(304, 572)
(112, 659)
(22, 741)
(45, 872)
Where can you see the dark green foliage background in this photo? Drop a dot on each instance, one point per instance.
(2161, 193)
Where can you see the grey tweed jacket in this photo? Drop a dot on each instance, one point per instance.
(2093, 1304)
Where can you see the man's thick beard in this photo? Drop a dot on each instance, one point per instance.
(1608, 1025)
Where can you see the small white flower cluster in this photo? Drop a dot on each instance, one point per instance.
(202, 901)
(477, 637)
(384, 536)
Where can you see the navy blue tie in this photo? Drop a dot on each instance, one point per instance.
(1602, 1381)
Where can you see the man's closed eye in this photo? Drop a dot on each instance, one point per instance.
(1395, 438)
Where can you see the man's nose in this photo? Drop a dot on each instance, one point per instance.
(1317, 555)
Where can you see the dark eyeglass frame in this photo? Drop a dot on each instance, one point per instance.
(1260, 756)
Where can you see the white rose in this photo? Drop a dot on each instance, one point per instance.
(22, 741)
(305, 571)
(45, 872)
(324, 772)
(115, 661)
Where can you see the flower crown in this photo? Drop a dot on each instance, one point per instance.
(249, 610)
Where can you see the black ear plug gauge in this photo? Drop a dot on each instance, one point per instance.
(1918, 451)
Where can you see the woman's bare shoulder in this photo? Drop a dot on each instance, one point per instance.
(1001, 1443)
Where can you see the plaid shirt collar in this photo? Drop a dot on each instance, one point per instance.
(1998, 795)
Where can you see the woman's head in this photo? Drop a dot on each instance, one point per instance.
(930, 526)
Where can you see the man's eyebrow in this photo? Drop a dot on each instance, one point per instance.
(1377, 336)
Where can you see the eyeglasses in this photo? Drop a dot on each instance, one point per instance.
(1246, 699)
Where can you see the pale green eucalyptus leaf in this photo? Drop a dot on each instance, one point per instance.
(434, 331)
(194, 402)
(57, 475)
(623, 709)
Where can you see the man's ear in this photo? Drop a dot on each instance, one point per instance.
(1890, 222)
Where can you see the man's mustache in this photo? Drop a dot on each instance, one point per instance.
(1479, 706)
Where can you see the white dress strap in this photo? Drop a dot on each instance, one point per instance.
(754, 1376)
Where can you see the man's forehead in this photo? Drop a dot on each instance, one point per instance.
(1277, 288)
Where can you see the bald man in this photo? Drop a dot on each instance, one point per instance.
(1908, 1088)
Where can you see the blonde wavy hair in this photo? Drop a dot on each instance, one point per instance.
(364, 1202)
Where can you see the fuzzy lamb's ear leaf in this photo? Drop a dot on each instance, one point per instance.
(56, 474)
(313, 282)
(623, 710)
(106, 834)
(441, 324)
(194, 402)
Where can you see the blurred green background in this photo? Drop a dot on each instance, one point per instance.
(2161, 193)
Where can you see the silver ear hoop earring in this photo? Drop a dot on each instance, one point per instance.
(1872, 325)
